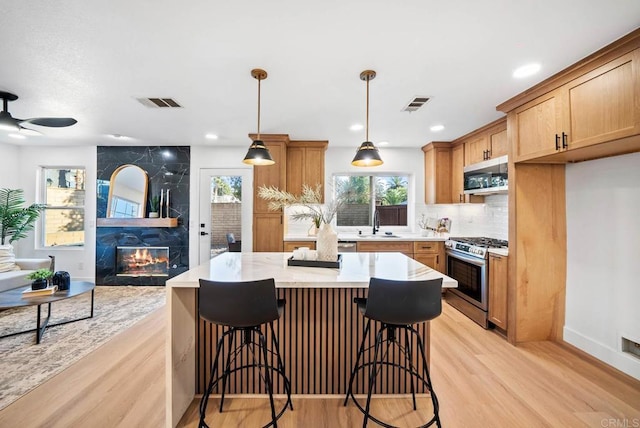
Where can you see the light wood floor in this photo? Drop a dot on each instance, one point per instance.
(480, 379)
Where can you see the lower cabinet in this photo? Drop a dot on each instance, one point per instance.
(498, 290)
(268, 231)
(405, 247)
(289, 246)
(430, 253)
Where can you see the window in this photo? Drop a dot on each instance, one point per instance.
(388, 199)
(64, 196)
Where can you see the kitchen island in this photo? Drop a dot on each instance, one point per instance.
(319, 332)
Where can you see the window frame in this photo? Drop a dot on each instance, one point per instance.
(366, 229)
(41, 230)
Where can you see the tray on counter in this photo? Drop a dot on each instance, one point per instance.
(315, 263)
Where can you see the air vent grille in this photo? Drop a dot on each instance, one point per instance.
(416, 103)
(159, 102)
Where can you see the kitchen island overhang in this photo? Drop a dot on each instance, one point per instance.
(319, 331)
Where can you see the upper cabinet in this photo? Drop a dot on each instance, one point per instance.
(437, 170)
(305, 165)
(592, 115)
(485, 143)
(270, 175)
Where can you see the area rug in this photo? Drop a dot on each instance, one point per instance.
(25, 365)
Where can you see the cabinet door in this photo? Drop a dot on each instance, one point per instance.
(457, 175)
(437, 170)
(385, 247)
(498, 290)
(314, 168)
(270, 175)
(431, 260)
(604, 105)
(498, 144)
(476, 149)
(535, 127)
(268, 232)
(295, 169)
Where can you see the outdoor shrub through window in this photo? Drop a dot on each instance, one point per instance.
(362, 194)
(64, 197)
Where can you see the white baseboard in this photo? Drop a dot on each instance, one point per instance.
(614, 357)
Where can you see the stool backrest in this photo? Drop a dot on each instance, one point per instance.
(404, 302)
(238, 304)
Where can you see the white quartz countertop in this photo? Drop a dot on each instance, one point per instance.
(355, 272)
(368, 237)
(499, 251)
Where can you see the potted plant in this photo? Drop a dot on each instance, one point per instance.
(16, 219)
(40, 278)
(155, 206)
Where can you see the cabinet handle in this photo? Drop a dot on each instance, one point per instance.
(488, 154)
(564, 141)
(438, 259)
(557, 142)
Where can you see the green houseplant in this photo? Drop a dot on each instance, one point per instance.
(16, 219)
(154, 204)
(40, 278)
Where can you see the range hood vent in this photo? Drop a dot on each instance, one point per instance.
(416, 103)
(159, 102)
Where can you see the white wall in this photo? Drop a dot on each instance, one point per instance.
(78, 261)
(9, 157)
(603, 258)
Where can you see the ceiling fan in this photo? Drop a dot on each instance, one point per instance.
(9, 123)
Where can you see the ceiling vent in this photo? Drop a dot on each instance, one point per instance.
(159, 102)
(416, 103)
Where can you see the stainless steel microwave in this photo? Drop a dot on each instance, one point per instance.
(486, 177)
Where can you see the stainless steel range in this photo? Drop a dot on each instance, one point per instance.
(467, 264)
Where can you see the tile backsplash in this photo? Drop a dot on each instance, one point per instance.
(490, 219)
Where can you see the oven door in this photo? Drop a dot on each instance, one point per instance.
(471, 274)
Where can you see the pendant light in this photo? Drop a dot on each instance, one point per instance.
(258, 154)
(367, 154)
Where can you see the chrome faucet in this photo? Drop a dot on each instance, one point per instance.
(376, 222)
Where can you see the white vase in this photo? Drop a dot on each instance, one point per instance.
(313, 230)
(327, 243)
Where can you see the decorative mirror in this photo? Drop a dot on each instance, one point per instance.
(127, 192)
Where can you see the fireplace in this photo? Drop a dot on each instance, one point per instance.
(142, 261)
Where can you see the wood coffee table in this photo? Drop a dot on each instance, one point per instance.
(14, 299)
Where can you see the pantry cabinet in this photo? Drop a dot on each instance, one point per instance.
(571, 122)
(268, 226)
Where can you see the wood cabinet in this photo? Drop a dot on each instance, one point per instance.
(571, 122)
(268, 228)
(498, 290)
(437, 170)
(305, 165)
(289, 246)
(487, 142)
(457, 174)
(405, 247)
(430, 253)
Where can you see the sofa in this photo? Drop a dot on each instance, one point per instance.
(17, 278)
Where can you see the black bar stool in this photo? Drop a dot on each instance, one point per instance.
(243, 307)
(397, 305)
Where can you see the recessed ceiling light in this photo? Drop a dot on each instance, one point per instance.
(18, 136)
(211, 137)
(120, 137)
(383, 143)
(436, 128)
(526, 70)
(356, 127)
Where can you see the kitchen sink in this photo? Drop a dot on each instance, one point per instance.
(382, 235)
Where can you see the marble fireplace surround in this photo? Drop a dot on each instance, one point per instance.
(168, 167)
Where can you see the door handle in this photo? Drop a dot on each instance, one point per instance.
(203, 233)
(557, 142)
(564, 141)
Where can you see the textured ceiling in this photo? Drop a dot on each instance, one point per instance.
(91, 60)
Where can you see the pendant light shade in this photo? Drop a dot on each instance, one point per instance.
(258, 154)
(367, 154)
